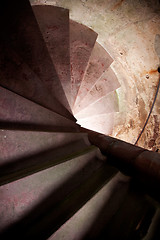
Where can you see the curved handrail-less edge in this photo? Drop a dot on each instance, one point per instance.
(141, 164)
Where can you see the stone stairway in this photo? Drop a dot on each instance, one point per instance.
(53, 183)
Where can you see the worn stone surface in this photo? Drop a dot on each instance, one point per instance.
(86, 223)
(17, 112)
(99, 61)
(106, 104)
(30, 194)
(54, 26)
(104, 85)
(102, 123)
(22, 35)
(82, 40)
(17, 76)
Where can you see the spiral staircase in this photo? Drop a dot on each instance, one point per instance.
(54, 183)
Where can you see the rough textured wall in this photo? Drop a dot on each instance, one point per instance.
(127, 30)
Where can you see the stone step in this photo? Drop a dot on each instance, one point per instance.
(24, 153)
(102, 123)
(132, 220)
(18, 113)
(21, 34)
(26, 202)
(89, 221)
(19, 78)
(47, 217)
(99, 61)
(107, 83)
(104, 105)
(82, 40)
(54, 25)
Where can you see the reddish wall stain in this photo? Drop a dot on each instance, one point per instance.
(152, 71)
(117, 5)
(152, 142)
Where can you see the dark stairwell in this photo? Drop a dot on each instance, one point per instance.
(55, 182)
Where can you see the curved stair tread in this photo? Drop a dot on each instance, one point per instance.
(106, 104)
(99, 61)
(50, 217)
(99, 123)
(82, 40)
(136, 213)
(107, 83)
(28, 197)
(19, 78)
(22, 34)
(31, 152)
(54, 25)
(17, 112)
(88, 222)
(153, 231)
